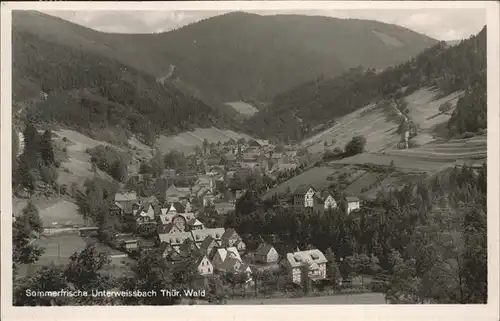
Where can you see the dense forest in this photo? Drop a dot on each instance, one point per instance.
(294, 113)
(91, 92)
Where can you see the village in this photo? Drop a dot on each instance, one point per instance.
(181, 234)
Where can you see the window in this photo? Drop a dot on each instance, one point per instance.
(209, 270)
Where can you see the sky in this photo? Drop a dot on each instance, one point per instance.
(441, 24)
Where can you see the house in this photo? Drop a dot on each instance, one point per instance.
(187, 248)
(174, 239)
(126, 197)
(130, 245)
(353, 203)
(208, 247)
(166, 249)
(225, 259)
(204, 265)
(329, 201)
(149, 200)
(194, 225)
(258, 143)
(171, 216)
(224, 208)
(303, 196)
(231, 239)
(200, 235)
(205, 181)
(174, 194)
(314, 260)
(207, 199)
(126, 203)
(146, 213)
(266, 253)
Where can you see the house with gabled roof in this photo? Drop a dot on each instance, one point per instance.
(231, 239)
(266, 253)
(225, 258)
(208, 246)
(200, 235)
(329, 201)
(204, 265)
(175, 194)
(146, 213)
(126, 197)
(353, 203)
(314, 260)
(174, 239)
(195, 225)
(303, 196)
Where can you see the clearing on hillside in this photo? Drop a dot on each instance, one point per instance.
(187, 141)
(380, 132)
(316, 176)
(243, 108)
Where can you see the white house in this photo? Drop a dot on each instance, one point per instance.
(266, 253)
(353, 203)
(304, 196)
(204, 265)
(314, 260)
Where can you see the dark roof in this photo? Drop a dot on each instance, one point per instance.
(352, 198)
(263, 249)
(302, 189)
(206, 242)
(228, 233)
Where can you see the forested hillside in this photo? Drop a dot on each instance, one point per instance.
(293, 114)
(241, 56)
(87, 91)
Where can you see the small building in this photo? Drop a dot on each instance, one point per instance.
(266, 253)
(226, 259)
(303, 196)
(329, 201)
(195, 225)
(130, 245)
(353, 203)
(208, 247)
(231, 239)
(204, 265)
(314, 260)
(146, 213)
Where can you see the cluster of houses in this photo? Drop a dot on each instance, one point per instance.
(181, 236)
(256, 154)
(306, 196)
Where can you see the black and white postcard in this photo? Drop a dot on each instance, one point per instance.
(314, 159)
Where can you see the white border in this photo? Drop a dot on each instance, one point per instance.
(265, 312)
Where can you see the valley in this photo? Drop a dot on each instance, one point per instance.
(254, 166)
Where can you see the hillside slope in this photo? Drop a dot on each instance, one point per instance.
(240, 56)
(307, 109)
(92, 92)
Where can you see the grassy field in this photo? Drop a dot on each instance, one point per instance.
(316, 176)
(403, 163)
(243, 108)
(77, 167)
(187, 141)
(424, 108)
(369, 121)
(364, 298)
(380, 132)
(475, 148)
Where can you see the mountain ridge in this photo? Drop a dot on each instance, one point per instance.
(255, 58)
